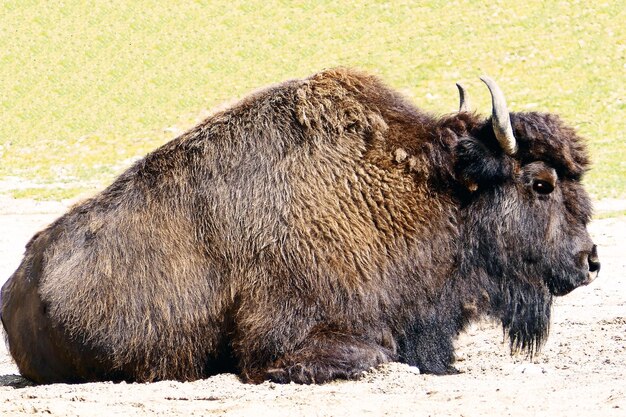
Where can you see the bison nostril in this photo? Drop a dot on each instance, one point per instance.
(594, 261)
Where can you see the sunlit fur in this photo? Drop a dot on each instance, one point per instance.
(315, 229)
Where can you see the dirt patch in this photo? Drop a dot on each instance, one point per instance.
(580, 372)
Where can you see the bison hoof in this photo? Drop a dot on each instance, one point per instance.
(451, 370)
(439, 369)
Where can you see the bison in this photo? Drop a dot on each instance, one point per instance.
(315, 229)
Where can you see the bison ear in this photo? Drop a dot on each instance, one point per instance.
(479, 165)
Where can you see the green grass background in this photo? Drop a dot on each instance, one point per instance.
(87, 86)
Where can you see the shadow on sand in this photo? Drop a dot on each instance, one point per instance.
(15, 381)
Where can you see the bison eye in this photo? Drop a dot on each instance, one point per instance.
(542, 187)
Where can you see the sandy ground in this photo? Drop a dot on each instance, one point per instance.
(581, 371)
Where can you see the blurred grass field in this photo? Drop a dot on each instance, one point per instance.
(88, 86)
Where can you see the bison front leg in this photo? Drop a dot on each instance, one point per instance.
(323, 356)
(327, 356)
(428, 344)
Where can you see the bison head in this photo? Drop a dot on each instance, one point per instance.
(526, 214)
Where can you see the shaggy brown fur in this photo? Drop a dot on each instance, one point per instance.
(315, 229)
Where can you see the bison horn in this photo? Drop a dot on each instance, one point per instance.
(464, 102)
(500, 117)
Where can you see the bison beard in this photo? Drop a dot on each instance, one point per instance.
(312, 231)
(526, 317)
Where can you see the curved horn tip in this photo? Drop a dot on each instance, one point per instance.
(463, 98)
(486, 79)
(500, 117)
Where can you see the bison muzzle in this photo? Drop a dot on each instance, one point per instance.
(316, 229)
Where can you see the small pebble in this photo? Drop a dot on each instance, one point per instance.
(530, 369)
